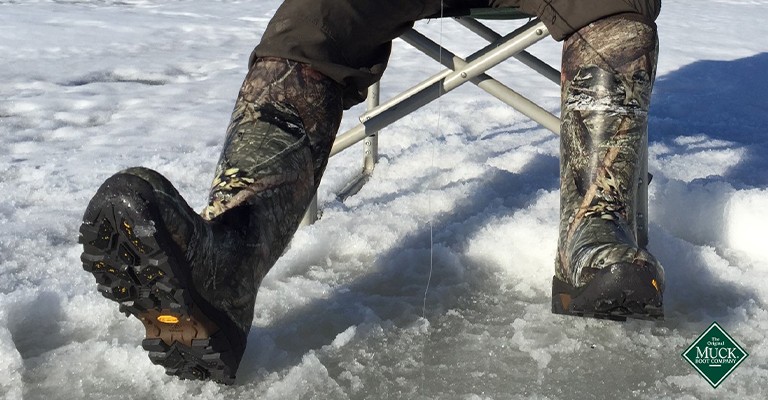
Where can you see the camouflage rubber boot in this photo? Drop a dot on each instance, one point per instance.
(601, 270)
(192, 279)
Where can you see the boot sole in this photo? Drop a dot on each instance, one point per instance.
(125, 253)
(615, 293)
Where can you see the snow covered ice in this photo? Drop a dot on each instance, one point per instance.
(91, 87)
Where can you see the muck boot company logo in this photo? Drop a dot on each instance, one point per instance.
(715, 355)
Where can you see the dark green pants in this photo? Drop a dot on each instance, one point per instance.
(350, 40)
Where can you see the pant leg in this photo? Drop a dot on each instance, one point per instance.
(564, 17)
(346, 40)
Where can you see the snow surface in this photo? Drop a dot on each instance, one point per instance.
(91, 87)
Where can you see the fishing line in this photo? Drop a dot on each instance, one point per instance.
(429, 206)
(432, 168)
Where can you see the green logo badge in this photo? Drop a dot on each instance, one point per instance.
(715, 354)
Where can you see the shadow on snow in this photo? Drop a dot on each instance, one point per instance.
(722, 100)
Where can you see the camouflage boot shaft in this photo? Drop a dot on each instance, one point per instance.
(607, 76)
(276, 149)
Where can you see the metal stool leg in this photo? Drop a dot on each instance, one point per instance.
(371, 143)
(370, 157)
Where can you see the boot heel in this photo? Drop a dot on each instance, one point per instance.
(617, 292)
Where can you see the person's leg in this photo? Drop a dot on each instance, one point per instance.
(192, 280)
(608, 69)
(601, 270)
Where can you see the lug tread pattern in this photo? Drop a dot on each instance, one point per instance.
(133, 270)
(613, 296)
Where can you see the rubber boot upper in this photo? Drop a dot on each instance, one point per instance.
(607, 77)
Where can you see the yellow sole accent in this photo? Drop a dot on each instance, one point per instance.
(168, 319)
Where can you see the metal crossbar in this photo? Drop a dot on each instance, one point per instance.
(484, 81)
(458, 73)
